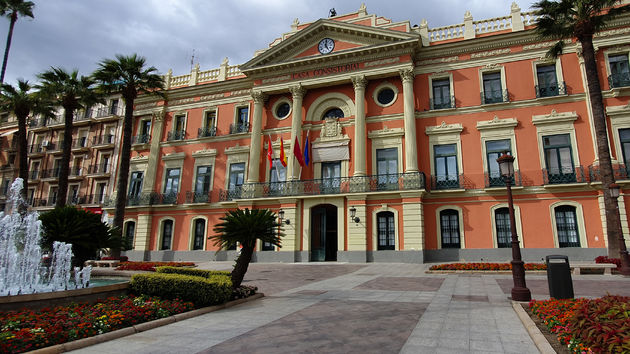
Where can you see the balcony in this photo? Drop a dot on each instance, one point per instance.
(141, 139)
(206, 132)
(53, 147)
(620, 172)
(495, 96)
(619, 80)
(176, 135)
(152, 198)
(198, 197)
(340, 185)
(103, 141)
(442, 103)
(33, 175)
(75, 200)
(108, 112)
(99, 169)
(97, 199)
(79, 144)
(35, 149)
(441, 182)
(75, 172)
(551, 90)
(239, 128)
(51, 173)
(564, 175)
(495, 180)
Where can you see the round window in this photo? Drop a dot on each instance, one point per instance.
(283, 109)
(333, 113)
(385, 96)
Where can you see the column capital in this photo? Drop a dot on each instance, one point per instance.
(297, 91)
(259, 96)
(406, 74)
(359, 82)
(159, 114)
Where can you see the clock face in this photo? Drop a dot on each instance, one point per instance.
(326, 45)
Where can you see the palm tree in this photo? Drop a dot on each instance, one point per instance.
(68, 90)
(12, 9)
(245, 227)
(21, 101)
(129, 76)
(568, 19)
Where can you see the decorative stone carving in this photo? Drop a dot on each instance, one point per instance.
(362, 10)
(297, 91)
(497, 123)
(331, 129)
(359, 82)
(554, 117)
(158, 116)
(259, 96)
(444, 129)
(406, 75)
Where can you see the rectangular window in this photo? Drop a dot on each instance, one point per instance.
(144, 132)
(331, 177)
(624, 139)
(104, 167)
(202, 184)
(100, 193)
(5, 187)
(179, 131)
(135, 184)
(209, 124)
(446, 175)
(504, 233)
(113, 108)
(547, 81)
(619, 71)
(243, 116)
(167, 234)
(566, 226)
(387, 168)
(277, 178)
(30, 196)
(449, 227)
(558, 158)
(237, 175)
(52, 195)
(386, 230)
(494, 149)
(171, 184)
(492, 89)
(441, 94)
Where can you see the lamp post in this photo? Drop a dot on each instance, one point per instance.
(520, 292)
(624, 269)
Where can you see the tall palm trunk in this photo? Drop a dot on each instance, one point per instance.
(123, 170)
(64, 167)
(613, 222)
(242, 263)
(8, 46)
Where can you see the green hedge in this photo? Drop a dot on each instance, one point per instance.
(192, 271)
(213, 290)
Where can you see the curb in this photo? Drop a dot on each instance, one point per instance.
(481, 271)
(123, 332)
(539, 339)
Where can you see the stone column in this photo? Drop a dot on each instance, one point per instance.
(411, 149)
(255, 140)
(297, 92)
(359, 83)
(154, 152)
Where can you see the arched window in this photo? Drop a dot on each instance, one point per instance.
(386, 230)
(200, 233)
(167, 234)
(566, 226)
(449, 226)
(333, 113)
(502, 222)
(130, 231)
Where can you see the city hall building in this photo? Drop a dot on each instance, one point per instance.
(391, 134)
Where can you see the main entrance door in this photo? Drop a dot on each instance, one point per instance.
(323, 233)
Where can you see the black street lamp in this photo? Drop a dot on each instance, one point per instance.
(281, 217)
(353, 215)
(520, 292)
(624, 269)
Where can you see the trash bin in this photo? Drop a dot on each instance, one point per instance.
(559, 277)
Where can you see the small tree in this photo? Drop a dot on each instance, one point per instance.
(81, 228)
(245, 227)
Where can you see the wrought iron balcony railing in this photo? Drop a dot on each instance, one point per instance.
(108, 111)
(439, 182)
(103, 140)
(35, 148)
(619, 80)
(339, 185)
(620, 172)
(100, 168)
(551, 90)
(80, 143)
(141, 139)
(76, 171)
(496, 180)
(198, 197)
(51, 173)
(442, 103)
(176, 135)
(239, 128)
(563, 175)
(75, 200)
(97, 199)
(207, 131)
(495, 96)
(151, 198)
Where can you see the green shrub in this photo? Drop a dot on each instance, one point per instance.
(213, 290)
(192, 271)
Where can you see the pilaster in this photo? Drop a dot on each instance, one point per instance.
(359, 83)
(413, 224)
(357, 232)
(297, 93)
(411, 149)
(291, 239)
(255, 146)
(154, 152)
(143, 233)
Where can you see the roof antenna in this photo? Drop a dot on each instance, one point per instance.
(332, 12)
(192, 60)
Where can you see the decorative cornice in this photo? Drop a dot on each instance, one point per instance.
(205, 153)
(444, 129)
(618, 110)
(497, 123)
(236, 150)
(386, 133)
(174, 156)
(554, 117)
(139, 159)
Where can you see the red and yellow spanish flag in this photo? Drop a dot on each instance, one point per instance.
(283, 157)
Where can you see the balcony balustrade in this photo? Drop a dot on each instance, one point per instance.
(75, 200)
(80, 143)
(551, 90)
(176, 135)
(103, 140)
(239, 128)
(619, 80)
(439, 182)
(206, 132)
(33, 175)
(100, 168)
(442, 103)
(141, 139)
(495, 96)
(151, 198)
(198, 197)
(620, 172)
(564, 175)
(51, 173)
(496, 180)
(108, 112)
(35, 149)
(97, 199)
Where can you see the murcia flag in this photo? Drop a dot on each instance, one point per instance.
(270, 154)
(297, 151)
(283, 157)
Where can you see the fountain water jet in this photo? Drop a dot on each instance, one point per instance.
(21, 271)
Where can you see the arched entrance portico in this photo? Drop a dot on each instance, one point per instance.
(323, 233)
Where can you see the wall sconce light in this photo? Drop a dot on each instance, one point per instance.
(353, 215)
(281, 217)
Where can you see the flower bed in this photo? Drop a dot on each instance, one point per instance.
(28, 330)
(605, 259)
(486, 266)
(150, 266)
(585, 325)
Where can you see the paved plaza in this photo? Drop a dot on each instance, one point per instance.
(366, 308)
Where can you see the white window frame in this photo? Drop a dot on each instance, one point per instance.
(579, 215)
(384, 207)
(497, 129)
(489, 69)
(619, 119)
(135, 229)
(236, 110)
(191, 233)
(204, 158)
(460, 213)
(161, 233)
(559, 77)
(614, 51)
(556, 124)
(177, 115)
(517, 217)
(386, 139)
(441, 76)
(236, 154)
(173, 160)
(442, 135)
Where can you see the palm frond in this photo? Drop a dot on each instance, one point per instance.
(245, 226)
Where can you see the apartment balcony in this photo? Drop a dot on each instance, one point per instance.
(75, 200)
(33, 175)
(206, 132)
(495, 96)
(496, 180)
(51, 173)
(102, 169)
(326, 186)
(619, 80)
(563, 175)
(35, 149)
(152, 198)
(108, 113)
(103, 141)
(443, 182)
(81, 119)
(141, 139)
(97, 199)
(75, 172)
(551, 90)
(6, 167)
(53, 147)
(443, 103)
(198, 197)
(239, 128)
(176, 135)
(80, 144)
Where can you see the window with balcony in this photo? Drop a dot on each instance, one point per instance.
(494, 149)
(449, 228)
(387, 168)
(52, 195)
(277, 177)
(179, 128)
(113, 106)
(558, 159)
(237, 175)
(442, 98)
(386, 230)
(446, 174)
(619, 70)
(199, 234)
(331, 177)
(167, 235)
(30, 196)
(547, 81)
(202, 184)
(99, 198)
(493, 91)
(242, 121)
(209, 124)
(624, 140)
(130, 232)
(135, 184)
(144, 132)
(171, 183)
(567, 226)
(503, 230)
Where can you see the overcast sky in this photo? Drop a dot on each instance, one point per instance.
(77, 34)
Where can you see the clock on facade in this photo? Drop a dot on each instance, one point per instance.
(326, 45)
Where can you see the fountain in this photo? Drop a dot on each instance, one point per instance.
(21, 269)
